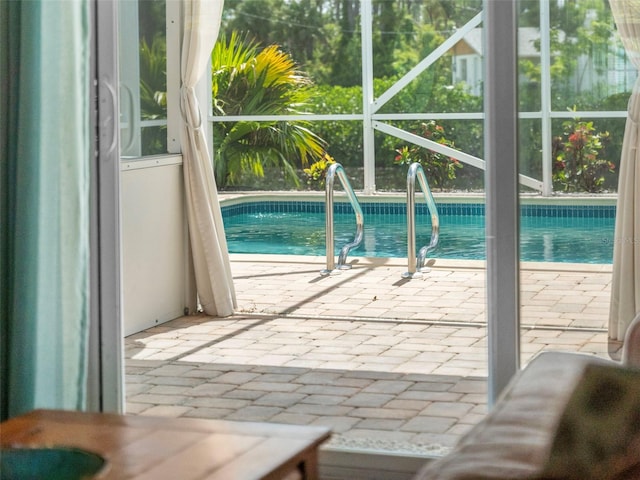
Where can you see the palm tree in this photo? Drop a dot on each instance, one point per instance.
(247, 80)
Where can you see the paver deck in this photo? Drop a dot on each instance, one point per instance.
(389, 364)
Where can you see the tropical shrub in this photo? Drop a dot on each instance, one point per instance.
(317, 171)
(577, 165)
(344, 137)
(249, 80)
(439, 169)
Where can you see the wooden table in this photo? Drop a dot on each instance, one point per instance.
(154, 448)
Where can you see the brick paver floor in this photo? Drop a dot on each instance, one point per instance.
(389, 364)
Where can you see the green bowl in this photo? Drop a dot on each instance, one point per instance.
(54, 463)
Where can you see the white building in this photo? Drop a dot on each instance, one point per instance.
(609, 69)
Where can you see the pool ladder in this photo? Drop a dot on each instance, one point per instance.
(336, 170)
(417, 263)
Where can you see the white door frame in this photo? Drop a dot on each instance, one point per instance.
(106, 351)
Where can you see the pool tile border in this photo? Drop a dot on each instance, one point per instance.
(396, 208)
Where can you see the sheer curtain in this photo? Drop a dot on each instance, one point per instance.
(44, 207)
(625, 289)
(214, 281)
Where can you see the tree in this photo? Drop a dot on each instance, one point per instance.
(153, 93)
(579, 30)
(247, 80)
(324, 38)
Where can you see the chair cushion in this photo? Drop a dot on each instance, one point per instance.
(518, 437)
(598, 435)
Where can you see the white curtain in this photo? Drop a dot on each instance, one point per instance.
(625, 289)
(214, 281)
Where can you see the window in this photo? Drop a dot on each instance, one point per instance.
(143, 79)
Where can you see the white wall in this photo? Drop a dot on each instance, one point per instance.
(156, 278)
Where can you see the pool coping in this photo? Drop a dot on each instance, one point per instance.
(444, 263)
(235, 198)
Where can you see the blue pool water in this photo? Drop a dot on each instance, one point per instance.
(576, 234)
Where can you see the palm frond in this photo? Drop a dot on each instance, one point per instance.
(247, 80)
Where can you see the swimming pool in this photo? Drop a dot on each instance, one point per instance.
(548, 233)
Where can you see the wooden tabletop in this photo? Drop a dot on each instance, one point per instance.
(138, 447)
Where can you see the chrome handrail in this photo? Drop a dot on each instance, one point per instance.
(334, 170)
(416, 268)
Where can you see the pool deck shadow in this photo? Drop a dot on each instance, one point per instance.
(390, 364)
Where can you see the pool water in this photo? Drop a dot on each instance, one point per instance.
(582, 235)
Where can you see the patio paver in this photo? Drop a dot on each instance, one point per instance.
(390, 364)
